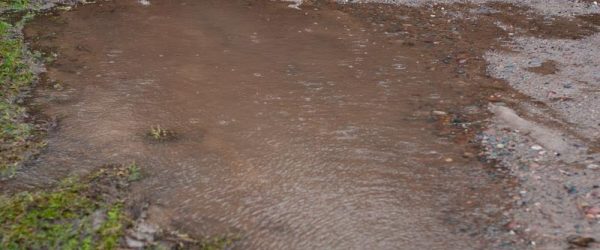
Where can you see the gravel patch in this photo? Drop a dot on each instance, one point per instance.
(546, 7)
(557, 200)
(572, 89)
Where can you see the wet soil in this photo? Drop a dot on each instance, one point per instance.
(319, 128)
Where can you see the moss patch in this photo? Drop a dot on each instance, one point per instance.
(78, 214)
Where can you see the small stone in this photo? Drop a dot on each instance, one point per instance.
(536, 147)
(448, 160)
(500, 145)
(580, 241)
(592, 212)
(438, 112)
(571, 189)
(134, 243)
(593, 166)
(512, 225)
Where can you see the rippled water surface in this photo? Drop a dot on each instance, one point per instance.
(295, 129)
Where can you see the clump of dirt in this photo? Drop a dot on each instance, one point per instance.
(545, 68)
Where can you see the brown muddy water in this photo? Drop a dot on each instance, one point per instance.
(294, 129)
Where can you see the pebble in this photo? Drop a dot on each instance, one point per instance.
(500, 145)
(438, 112)
(536, 147)
(134, 243)
(593, 166)
(580, 241)
(448, 160)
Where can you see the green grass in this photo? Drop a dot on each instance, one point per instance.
(16, 78)
(68, 217)
(15, 5)
(82, 213)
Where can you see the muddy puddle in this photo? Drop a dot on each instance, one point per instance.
(294, 129)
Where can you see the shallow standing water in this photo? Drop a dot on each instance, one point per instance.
(295, 129)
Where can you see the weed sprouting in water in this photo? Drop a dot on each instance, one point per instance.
(134, 172)
(159, 133)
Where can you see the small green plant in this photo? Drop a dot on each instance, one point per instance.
(134, 172)
(160, 134)
(15, 5)
(217, 243)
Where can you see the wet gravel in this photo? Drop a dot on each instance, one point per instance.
(572, 90)
(546, 7)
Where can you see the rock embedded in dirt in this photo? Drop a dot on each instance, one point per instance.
(593, 166)
(439, 113)
(580, 241)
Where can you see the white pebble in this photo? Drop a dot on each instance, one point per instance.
(536, 147)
